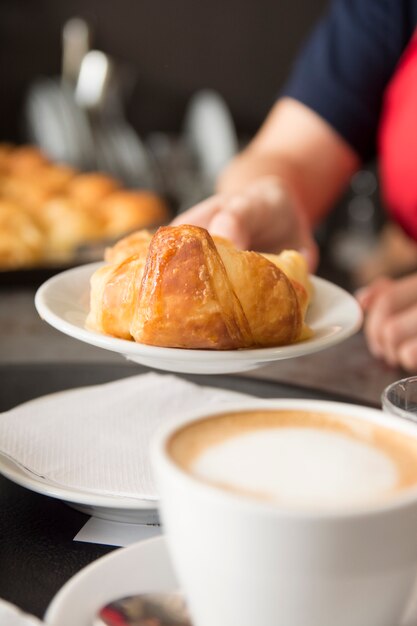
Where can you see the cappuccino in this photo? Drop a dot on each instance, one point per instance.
(297, 458)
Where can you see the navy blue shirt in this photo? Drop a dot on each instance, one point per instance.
(346, 64)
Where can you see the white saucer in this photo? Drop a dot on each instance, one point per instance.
(116, 509)
(140, 568)
(63, 302)
(143, 567)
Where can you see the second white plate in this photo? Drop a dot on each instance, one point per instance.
(63, 302)
(115, 509)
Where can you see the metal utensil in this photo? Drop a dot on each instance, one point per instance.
(54, 120)
(118, 149)
(93, 80)
(56, 124)
(210, 133)
(131, 160)
(76, 40)
(149, 609)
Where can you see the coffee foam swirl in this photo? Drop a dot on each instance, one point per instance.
(297, 458)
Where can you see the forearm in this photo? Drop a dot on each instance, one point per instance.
(282, 184)
(300, 149)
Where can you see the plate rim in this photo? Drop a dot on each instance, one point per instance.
(13, 472)
(134, 349)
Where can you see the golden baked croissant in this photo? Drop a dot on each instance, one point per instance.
(183, 289)
(133, 244)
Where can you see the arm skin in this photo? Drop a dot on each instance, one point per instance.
(298, 146)
(273, 193)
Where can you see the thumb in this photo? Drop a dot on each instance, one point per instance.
(310, 251)
(367, 295)
(230, 226)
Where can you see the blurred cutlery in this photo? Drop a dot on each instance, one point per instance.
(76, 41)
(151, 609)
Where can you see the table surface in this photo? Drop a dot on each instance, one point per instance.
(37, 551)
(346, 370)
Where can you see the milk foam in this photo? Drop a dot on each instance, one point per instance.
(299, 466)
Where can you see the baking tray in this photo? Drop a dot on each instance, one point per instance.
(35, 275)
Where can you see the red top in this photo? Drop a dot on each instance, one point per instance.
(398, 142)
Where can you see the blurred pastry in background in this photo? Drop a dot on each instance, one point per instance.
(66, 225)
(21, 237)
(24, 159)
(92, 187)
(123, 211)
(5, 150)
(34, 187)
(50, 211)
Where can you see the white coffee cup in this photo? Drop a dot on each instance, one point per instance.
(244, 561)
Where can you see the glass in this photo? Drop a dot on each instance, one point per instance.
(400, 398)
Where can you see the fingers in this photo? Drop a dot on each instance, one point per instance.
(307, 245)
(310, 251)
(391, 337)
(367, 295)
(263, 217)
(408, 355)
(391, 322)
(379, 312)
(222, 216)
(231, 226)
(201, 214)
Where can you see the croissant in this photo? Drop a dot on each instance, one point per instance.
(182, 288)
(21, 238)
(48, 211)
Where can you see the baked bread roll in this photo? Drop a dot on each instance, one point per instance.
(21, 237)
(124, 211)
(33, 189)
(90, 189)
(185, 290)
(67, 224)
(25, 159)
(67, 209)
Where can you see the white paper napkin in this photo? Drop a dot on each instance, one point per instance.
(96, 439)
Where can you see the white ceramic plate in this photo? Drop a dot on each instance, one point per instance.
(63, 302)
(116, 509)
(141, 568)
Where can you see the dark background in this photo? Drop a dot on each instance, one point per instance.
(242, 48)
(168, 50)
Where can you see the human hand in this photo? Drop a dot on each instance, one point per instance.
(390, 307)
(261, 217)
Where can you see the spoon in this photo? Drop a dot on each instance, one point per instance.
(147, 609)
